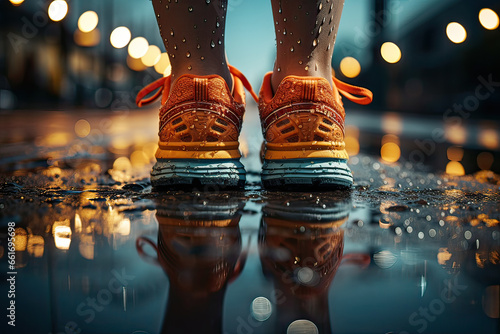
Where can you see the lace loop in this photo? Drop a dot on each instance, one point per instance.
(350, 91)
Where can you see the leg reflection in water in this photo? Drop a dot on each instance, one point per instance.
(199, 248)
(301, 246)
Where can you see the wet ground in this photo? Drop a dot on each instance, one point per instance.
(408, 250)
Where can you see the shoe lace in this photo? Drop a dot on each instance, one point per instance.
(162, 86)
(349, 91)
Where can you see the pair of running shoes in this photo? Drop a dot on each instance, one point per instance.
(303, 124)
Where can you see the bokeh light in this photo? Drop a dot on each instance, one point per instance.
(82, 128)
(488, 19)
(152, 56)
(350, 67)
(352, 140)
(135, 64)
(88, 21)
(455, 168)
(58, 10)
(390, 152)
(390, 52)
(120, 37)
(456, 32)
(16, 2)
(163, 65)
(138, 47)
(489, 138)
(455, 153)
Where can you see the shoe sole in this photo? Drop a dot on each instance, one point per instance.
(315, 172)
(190, 172)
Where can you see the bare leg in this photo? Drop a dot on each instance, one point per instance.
(193, 34)
(305, 36)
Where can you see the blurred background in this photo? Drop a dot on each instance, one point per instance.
(432, 65)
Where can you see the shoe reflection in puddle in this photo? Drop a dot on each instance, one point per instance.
(199, 248)
(301, 245)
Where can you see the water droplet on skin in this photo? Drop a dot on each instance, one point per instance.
(171, 33)
(190, 9)
(219, 41)
(298, 41)
(291, 49)
(184, 40)
(188, 54)
(315, 42)
(212, 44)
(306, 68)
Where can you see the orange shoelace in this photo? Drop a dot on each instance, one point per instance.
(162, 86)
(349, 91)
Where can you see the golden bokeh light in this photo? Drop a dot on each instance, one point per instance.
(489, 138)
(390, 152)
(16, 2)
(488, 19)
(138, 47)
(139, 159)
(82, 128)
(390, 52)
(36, 245)
(152, 56)
(163, 64)
(88, 21)
(21, 239)
(456, 32)
(485, 160)
(455, 168)
(122, 163)
(120, 37)
(455, 133)
(58, 10)
(62, 236)
(390, 138)
(392, 123)
(455, 153)
(350, 67)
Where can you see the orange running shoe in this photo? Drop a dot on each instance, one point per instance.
(200, 122)
(303, 127)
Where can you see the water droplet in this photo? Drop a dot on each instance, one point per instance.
(284, 31)
(172, 55)
(284, 19)
(198, 46)
(175, 46)
(328, 48)
(158, 15)
(291, 49)
(213, 31)
(319, 30)
(212, 44)
(171, 32)
(190, 8)
(188, 54)
(207, 1)
(276, 22)
(306, 68)
(315, 42)
(184, 40)
(315, 67)
(320, 6)
(279, 69)
(202, 58)
(300, 62)
(281, 42)
(298, 41)
(217, 24)
(195, 26)
(219, 41)
(279, 10)
(166, 6)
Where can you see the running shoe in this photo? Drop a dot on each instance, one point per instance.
(303, 128)
(200, 122)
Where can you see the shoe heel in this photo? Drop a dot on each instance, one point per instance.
(178, 172)
(320, 172)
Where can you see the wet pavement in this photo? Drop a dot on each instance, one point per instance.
(97, 250)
